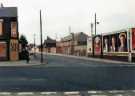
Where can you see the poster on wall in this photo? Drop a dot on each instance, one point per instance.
(3, 49)
(105, 43)
(118, 42)
(133, 39)
(14, 50)
(13, 29)
(97, 45)
(89, 45)
(122, 42)
(1, 27)
(113, 43)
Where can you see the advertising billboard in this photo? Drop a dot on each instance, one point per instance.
(115, 42)
(14, 49)
(89, 45)
(3, 49)
(97, 45)
(133, 39)
(105, 43)
(122, 42)
(13, 29)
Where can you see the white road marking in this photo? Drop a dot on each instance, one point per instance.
(47, 93)
(5, 93)
(118, 95)
(72, 93)
(94, 92)
(25, 93)
(98, 95)
(116, 91)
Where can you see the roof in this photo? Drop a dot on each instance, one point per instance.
(49, 40)
(80, 36)
(8, 11)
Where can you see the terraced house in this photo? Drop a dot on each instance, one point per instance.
(9, 44)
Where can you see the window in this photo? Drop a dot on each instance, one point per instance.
(14, 49)
(13, 29)
(3, 49)
(1, 27)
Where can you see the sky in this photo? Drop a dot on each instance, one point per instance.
(58, 15)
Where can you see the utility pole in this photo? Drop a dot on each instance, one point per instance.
(69, 29)
(56, 37)
(92, 38)
(91, 25)
(34, 45)
(71, 41)
(41, 38)
(95, 23)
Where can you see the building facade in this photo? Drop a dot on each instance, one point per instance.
(75, 44)
(49, 45)
(59, 48)
(9, 45)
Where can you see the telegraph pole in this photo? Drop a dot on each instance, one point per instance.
(95, 23)
(91, 25)
(34, 45)
(69, 29)
(41, 38)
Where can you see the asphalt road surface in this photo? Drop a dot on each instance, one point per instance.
(68, 74)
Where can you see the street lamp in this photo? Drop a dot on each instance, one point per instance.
(72, 44)
(41, 38)
(96, 22)
(91, 26)
(34, 45)
(92, 35)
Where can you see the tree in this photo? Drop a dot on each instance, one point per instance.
(23, 41)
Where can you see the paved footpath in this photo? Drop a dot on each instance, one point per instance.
(92, 59)
(19, 63)
(23, 63)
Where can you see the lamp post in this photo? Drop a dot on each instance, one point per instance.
(72, 44)
(91, 26)
(34, 45)
(41, 38)
(72, 41)
(96, 23)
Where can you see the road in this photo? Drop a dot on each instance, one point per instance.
(68, 74)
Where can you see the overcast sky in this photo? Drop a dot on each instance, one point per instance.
(59, 14)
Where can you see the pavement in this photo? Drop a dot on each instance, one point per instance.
(33, 61)
(21, 63)
(92, 59)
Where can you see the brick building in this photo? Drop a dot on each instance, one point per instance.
(49, 45)
(74, 44)
(9, 44)
(59, 48)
